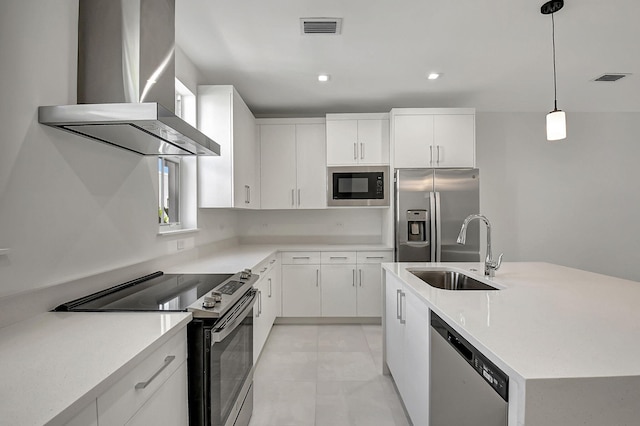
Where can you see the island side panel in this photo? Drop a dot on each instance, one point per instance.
(594, 401)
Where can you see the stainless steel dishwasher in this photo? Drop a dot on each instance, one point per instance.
(466, 389)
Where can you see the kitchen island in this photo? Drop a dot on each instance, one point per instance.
(568, 339)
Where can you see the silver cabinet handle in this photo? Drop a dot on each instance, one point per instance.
(272, 262)
(355, 151)
(168, 360)
(375, 257)
(402, 319)
(259, 303)
(263, 269)
(337, 257)
(269, 287)
(298, 196)
(246, 194)
(360, 277)
(293, 198)
(430, 154)
(249, 187)
(361, 151)
(300, 257)
(353, 278)
(317, 277)
(398, 304)
(438, 154)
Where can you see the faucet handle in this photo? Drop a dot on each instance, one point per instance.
(498, 263)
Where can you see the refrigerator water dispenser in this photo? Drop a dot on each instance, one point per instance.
(417, 222)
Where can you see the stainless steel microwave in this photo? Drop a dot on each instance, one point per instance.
(358, 186)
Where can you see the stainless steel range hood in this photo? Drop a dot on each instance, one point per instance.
(126, 81)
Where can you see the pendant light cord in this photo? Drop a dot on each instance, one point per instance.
(553, 41)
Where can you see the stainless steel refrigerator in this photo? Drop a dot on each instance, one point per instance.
(430, 206)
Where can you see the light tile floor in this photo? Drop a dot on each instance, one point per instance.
(324, 375)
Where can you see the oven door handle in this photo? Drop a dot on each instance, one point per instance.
(232, 320)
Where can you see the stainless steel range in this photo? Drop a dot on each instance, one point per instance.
(220, 337)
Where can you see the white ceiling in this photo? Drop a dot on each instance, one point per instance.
(494, 55)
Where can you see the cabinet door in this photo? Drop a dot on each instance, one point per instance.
(168, 406)
(244, 154)
(454, 138)
(260, 317)
(413, 141)
(342, 139)
(87, 417)
(369, 290)
(394, 329)
(373, 141)
(278, 166)
(338, 290)
(301, 290)
(415, 392)
(311, 169)
(215, 173)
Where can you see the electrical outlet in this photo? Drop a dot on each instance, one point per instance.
(180, 244)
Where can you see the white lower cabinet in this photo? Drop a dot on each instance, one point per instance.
(369, 294)
(267, 306)
(154, 392)
(164, 407)
(300, 290)
(338, 290)
(407, 340)
(332, 284)
(87, 417)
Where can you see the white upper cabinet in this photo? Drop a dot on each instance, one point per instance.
(293, 171)
(357, 139)
(433, 137)
(232, 179)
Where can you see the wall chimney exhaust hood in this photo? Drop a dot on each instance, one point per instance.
(126, 81)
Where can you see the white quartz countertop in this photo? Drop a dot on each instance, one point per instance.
(56, 363)
(547, 321)
(237, 258)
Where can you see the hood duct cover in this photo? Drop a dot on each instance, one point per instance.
(126, 81)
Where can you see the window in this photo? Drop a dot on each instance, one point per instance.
(169, 192)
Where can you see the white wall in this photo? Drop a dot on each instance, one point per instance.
(69, 207)
(575, 202)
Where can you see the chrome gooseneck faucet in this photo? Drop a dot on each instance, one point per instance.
(490, 266)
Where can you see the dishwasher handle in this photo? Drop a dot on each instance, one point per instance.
(460, 346)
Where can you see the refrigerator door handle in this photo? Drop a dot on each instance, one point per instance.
(432, 222)
(438, 229)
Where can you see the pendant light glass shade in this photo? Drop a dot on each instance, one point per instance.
(556, 125)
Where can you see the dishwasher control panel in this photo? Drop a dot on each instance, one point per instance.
(491, 374)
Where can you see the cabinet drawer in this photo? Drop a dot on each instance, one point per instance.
(265, 266)
(332, 257)
(301, 257)
(118, 404)
(375, 257)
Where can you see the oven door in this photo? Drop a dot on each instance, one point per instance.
(230, 392)
(358, 186)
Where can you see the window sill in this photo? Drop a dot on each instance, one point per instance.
(177, 232)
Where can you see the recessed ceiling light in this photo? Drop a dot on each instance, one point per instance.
(323, 77)
(433, 76)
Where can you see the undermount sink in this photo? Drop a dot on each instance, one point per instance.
(450, 280)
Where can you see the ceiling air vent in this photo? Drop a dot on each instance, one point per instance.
(610, 77)
(321, 25)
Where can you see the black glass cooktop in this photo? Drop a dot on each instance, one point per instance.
(155, 292)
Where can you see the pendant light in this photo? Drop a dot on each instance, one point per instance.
(556, 119)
